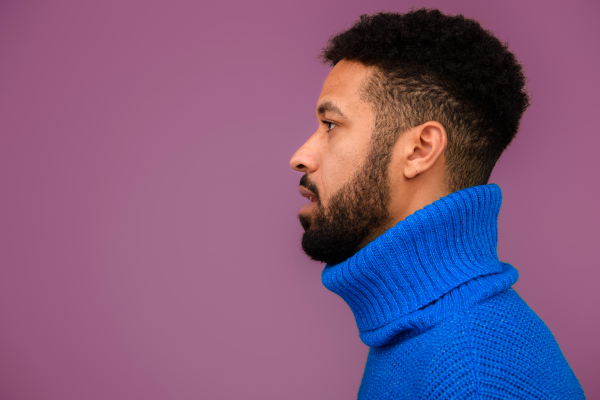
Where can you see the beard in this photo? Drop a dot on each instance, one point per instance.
(356, 213)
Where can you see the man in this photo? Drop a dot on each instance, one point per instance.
(412, 118)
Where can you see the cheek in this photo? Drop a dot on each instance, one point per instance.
(337, 171)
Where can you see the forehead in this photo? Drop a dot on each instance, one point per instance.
(343, 84)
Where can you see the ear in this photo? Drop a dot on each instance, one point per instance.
(426, 144)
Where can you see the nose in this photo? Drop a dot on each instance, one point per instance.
(305, 158)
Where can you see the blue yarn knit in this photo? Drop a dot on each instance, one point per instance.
(434, 304)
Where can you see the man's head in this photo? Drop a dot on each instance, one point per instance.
(417, 106)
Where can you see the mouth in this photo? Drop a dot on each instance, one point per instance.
(308, 194)
(311, 197)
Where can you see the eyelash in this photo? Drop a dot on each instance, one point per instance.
(329, 123)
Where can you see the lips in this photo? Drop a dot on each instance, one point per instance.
(308, 194)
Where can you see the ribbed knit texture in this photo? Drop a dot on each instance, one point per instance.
(434, 303)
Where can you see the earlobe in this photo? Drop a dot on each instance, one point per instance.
(427, 143)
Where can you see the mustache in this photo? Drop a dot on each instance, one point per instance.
(309, 185)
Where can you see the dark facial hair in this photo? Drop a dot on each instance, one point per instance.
(359, 209)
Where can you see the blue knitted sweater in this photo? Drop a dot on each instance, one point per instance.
(436, 307)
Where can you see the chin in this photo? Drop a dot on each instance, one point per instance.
(305, 221)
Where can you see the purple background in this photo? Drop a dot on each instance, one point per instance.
(149, 244)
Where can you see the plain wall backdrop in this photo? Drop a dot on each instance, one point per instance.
(149, 243)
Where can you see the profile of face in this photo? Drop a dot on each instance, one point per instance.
(346, 173)
(361, 181)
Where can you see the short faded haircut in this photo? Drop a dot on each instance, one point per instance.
(434, 67)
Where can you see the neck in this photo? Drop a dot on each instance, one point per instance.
(396, 282)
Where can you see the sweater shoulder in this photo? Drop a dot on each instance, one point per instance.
(499, 348)
(517, 353)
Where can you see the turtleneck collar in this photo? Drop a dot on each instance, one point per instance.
(436, 261)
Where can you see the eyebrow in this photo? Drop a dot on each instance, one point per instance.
(331, 107)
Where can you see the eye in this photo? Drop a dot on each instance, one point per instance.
(330, 125)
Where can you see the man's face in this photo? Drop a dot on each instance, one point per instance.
(345, 173)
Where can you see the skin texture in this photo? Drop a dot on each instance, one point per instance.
(340, 155)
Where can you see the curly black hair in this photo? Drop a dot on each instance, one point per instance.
(432, 66)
